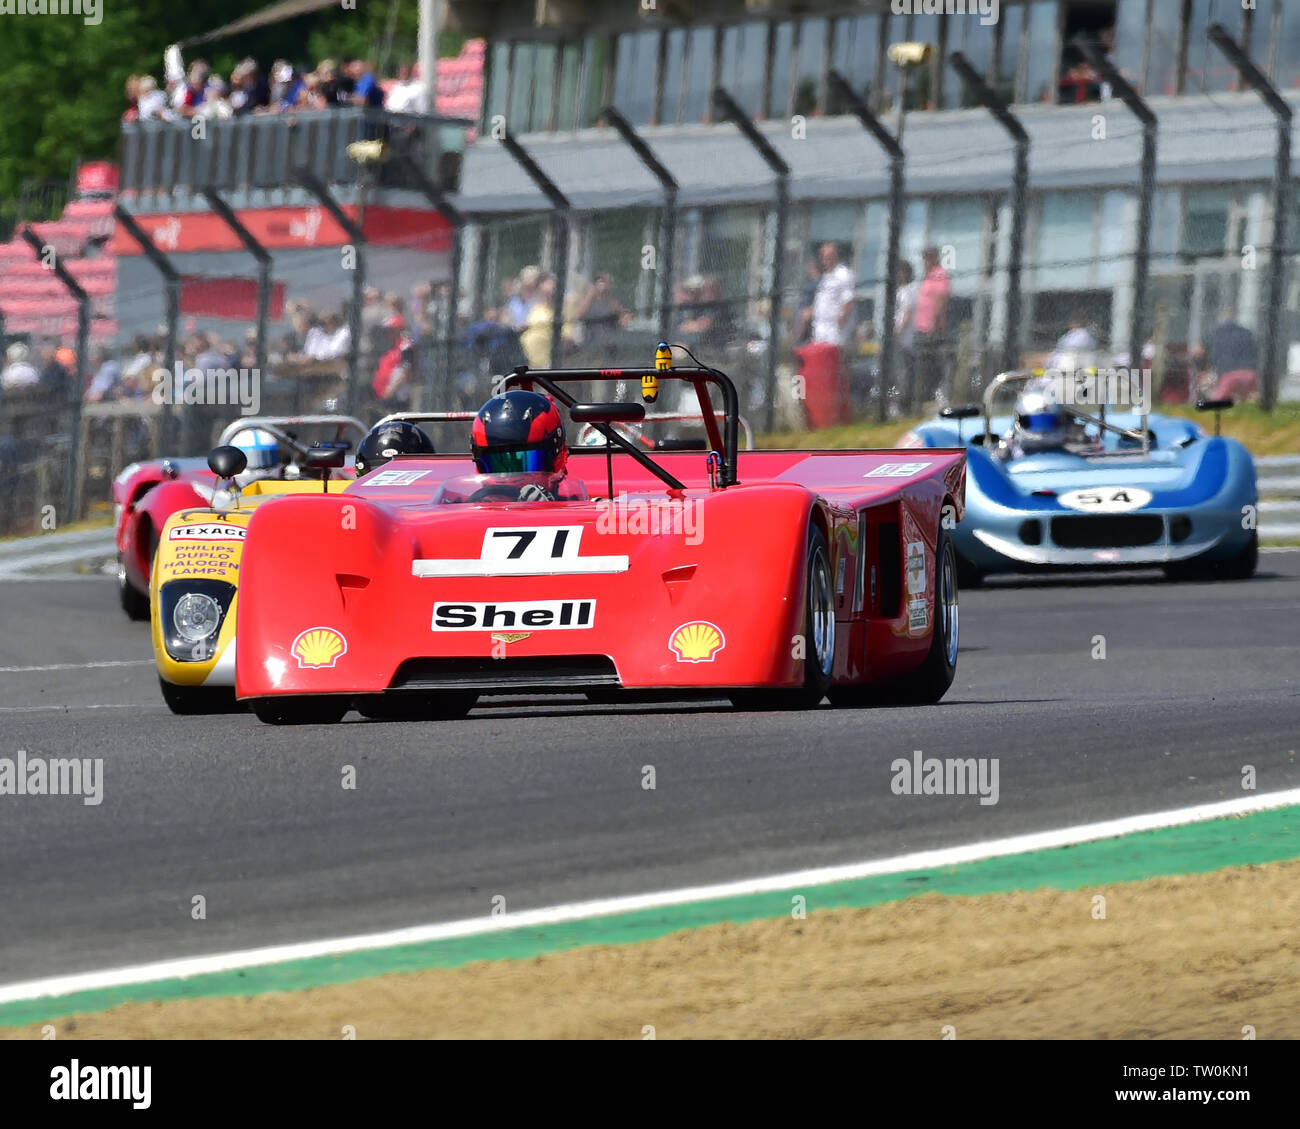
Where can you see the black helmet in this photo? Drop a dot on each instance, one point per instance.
(519, 431)
(387, 440)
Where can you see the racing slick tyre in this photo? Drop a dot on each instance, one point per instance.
(930, 681)
(819, 639)
(320, 709)
(186, 700)
(415, 707)
(133, 603)
(1239, 567)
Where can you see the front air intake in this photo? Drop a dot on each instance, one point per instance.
(556, 674)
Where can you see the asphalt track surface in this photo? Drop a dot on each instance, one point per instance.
(541, 801)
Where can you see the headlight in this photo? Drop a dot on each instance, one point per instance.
(196, 616)
(191, 613)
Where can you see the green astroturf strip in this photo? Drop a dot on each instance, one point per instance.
(1262, 837)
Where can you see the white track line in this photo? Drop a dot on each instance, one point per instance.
(552, 915)
(75, 666)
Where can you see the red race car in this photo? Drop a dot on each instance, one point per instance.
(146, 494)
(774, 578)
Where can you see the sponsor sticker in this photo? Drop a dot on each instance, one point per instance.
(918, 614)
(551, 615)
(522, 551)
(395, 477)
(697, 642)
(216, 531)
(896, 470)
(319, 647)
(915, 567)
(1106, 499)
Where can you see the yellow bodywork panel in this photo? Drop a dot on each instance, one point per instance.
(209, 544)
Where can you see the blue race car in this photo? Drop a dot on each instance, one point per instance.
(1125, 491)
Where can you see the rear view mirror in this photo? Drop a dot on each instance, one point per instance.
(227, 461)
(966, 411)
(326, 458)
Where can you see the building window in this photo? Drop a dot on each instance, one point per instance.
(1128, 49)
(1288, 50)
(923, 82)
(1164, 32)
(495, 103)
(1207, 221)
(1011, 27)
(670, 89)
(521, 87)
(1042, 52)
(855, 53)
(544, 64)
(1208, 68)
(595, 78)
(744, 65)
(974, 39)
(778, 96)
(635, 73)
(566, 111)
(699, 75)
(1094, 22)
(810, 64)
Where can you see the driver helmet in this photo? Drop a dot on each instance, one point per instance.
(260, 447)
(519, 432)
(386, 441)
(1041, 421)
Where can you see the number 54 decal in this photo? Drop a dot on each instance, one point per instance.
(551, 550)
(1106, 499)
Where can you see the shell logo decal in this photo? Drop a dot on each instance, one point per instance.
(319, 647)
(697, 642)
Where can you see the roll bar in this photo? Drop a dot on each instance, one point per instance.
(1142, 436)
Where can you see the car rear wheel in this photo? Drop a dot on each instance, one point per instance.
(319, 709)
(415, 707)
(189, 700)
(818, 639)
(930, 681)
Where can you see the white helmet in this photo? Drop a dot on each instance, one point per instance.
(1041, 422)
(261, 448)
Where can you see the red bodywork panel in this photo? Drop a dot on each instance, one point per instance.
(392, 577)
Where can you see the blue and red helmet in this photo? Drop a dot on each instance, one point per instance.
(519, 432)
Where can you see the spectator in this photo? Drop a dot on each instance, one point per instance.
(905, 332)
(600, 314)
(408, 95)
(18, 371)
(106, 384)
(215, 104)
(832, 315)
(57, 368)
(188, 97)
(708, 320)
(931, 320)
(285, 86)
(209, 355)
(803, 319)
(366, 90)
(328, 341)
(249, 89)
(132, 112)
(331, 91)
(1078, 338)
(521, 302)
(536, 334)
(392, 382)
(152, 102)
(1234, 356)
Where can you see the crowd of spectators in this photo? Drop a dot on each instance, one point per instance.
(198, 92)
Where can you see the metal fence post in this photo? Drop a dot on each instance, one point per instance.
(728, 109)
(897, 174)
(989, 99)
(1258, 81)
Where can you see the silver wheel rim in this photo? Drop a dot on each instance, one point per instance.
(948, 606)
(822, 612)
